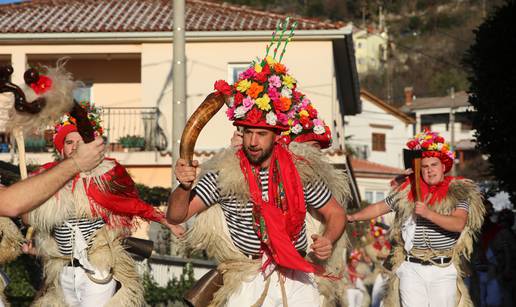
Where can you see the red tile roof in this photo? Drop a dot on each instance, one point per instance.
(71, 16)
(364, 168)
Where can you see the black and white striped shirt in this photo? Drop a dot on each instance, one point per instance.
(428, 234)
(239, 218)
(65, 236)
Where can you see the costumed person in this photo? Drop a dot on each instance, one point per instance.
(261, 241)
(433, 235)
(356, 291)
(15, 199)
(378, 250)
(10, 241)
(78, 231)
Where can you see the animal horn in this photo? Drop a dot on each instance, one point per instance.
(208, 108)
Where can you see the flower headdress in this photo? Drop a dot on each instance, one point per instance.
(264, 94)
(69, 124)
(433, 145)
(306, 126)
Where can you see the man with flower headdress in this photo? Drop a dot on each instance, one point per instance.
(79, 230)
(432, 237)
(263, 191)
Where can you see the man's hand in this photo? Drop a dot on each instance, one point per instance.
(185, 173)
(350, 218)
(177, 230)
(321, 247)
(237, 139)
(422, 209)
(88, 156)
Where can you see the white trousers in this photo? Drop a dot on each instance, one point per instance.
(379, 289)
(300, 288)
(79, 290)
(427, 285)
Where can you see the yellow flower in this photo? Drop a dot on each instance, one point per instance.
(243, 85)
(270, 60)
(290, 122)
(258, 67)
(304, 113)
(433, 147)
(289, 81)
(263, 102)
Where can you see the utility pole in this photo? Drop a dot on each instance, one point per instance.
(178, 79)
(179, 90)
(451, 125)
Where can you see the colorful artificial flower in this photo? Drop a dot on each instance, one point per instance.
(41, 86)
(433, 145)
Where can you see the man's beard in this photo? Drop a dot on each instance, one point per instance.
(266, 153)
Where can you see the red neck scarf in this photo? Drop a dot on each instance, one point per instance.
(429, 193)
(279, 220)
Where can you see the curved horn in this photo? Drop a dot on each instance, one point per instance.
(208, 108)
(84, 126)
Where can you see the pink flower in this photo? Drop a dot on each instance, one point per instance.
(230, 112)
(248, 103)
(248, 74)
(273, 93)
(274, 81)
(282, 118)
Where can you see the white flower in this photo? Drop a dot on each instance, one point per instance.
(240, 112)
(439, 146)
(286, 92)
(297, 129)
(231, 101)
(319, 129)
(271, 118)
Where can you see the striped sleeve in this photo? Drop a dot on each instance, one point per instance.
(207, 189)
(317, 194)
(389, 200)
(463, 206)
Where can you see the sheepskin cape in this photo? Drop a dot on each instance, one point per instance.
(10, 243)
(210, 231)
(106, 252)
(459, 190)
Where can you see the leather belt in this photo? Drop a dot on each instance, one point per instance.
(437, 260)
(75, 263)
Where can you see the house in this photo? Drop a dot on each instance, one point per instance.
(371, 45)
(379, 132)
(122, 51)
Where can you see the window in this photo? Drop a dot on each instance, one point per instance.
(234, 70)
(374, 196)
(378, 142)
(83, 92)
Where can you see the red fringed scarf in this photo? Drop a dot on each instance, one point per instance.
(278, 221)
(430, 194)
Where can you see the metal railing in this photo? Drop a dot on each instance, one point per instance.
(130, 127)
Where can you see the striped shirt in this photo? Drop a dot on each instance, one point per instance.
(65, 236)
(239, 218)
(428, 234)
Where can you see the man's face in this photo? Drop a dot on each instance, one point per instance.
(432, 170)
(70, 143)
(258, 144)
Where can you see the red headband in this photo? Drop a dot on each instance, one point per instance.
(60, 136)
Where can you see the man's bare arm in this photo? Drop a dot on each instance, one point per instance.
(27, 194)
(369, 212)
(335, 221)
(455, 222)
(182, 204)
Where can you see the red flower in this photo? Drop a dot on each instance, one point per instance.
(412, 144)
(439, 139)
(297, 95)
(254, 116)
(222, 87)
(304, 120)
(312, 111)
(238, 98)
(43, 84)
(307, 125)
(426, 144)
(261, 77)
(266, 70)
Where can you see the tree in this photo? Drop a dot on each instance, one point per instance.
(491, 64)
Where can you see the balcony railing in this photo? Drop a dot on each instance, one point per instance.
(131, 128)
(126, 129)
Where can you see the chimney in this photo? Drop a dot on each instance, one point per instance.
(409, 95)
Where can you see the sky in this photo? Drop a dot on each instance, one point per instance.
(9, 1)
